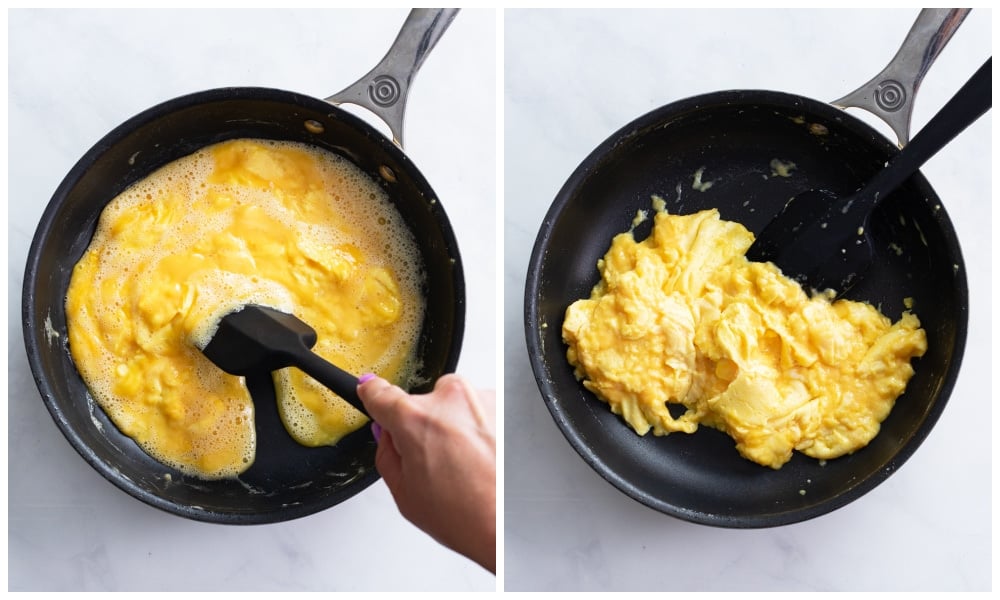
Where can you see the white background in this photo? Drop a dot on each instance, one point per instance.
(574, 78)
(75, 75)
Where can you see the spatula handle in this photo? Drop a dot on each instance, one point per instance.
(331, 376)
(967, 105)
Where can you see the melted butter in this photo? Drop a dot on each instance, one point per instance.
(684, 318)
(273, 223)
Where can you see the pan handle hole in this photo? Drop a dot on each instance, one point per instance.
(313, 126)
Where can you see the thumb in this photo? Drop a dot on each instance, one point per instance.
(382, 400)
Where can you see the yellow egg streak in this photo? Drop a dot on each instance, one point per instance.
(245, 221)
(684, 318)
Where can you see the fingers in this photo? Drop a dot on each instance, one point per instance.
(388, 462)
(381, 399)
(455, 388)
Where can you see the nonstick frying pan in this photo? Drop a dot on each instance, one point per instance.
(730, 138)
(286, 480)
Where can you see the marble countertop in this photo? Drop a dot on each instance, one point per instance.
(73, 76)
(574, 77)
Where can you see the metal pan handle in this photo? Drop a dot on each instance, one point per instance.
(383, 90)
(890, 94)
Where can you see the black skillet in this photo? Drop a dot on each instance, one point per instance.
(286, 480)
(733, 136)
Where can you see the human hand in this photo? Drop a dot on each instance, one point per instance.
(437, 454)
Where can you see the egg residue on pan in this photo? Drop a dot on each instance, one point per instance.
(683, 318)
(781, 168)
(245, 221)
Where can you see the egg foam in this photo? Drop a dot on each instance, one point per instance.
(683, 319)
(279, 224)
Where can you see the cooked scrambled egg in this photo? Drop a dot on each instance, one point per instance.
(245, 221)
(683, 318)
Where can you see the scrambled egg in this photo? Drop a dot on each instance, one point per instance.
(684, 319)
(245, 221)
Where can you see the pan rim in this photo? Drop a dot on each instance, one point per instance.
(653, 119)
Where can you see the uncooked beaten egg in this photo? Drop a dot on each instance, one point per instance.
(683, 318)
(246, 221)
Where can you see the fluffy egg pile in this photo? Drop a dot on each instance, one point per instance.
(683, 319)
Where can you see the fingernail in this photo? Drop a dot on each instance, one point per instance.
(376, 430)
(366, 377)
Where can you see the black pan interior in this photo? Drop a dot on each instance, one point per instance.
(734, 136)
(287, 480)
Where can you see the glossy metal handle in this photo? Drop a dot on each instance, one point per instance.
(383, 90)
(890, 94)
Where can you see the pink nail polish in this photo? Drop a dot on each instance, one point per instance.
(366, 377)
(376, 431)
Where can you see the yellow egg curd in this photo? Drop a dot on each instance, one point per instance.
(246, 221)
(684, 318)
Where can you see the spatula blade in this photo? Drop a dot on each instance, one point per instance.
(818, 240)
(257, 339)
(831, 248)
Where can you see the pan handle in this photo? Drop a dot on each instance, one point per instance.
(890, 94)
(383, 90)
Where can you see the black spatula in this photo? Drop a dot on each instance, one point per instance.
(822, 241)
(258, 339)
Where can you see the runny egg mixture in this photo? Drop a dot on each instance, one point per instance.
(246, 221)
(683, 318)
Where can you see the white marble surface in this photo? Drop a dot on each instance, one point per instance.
(75, 75)
(573, 78)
